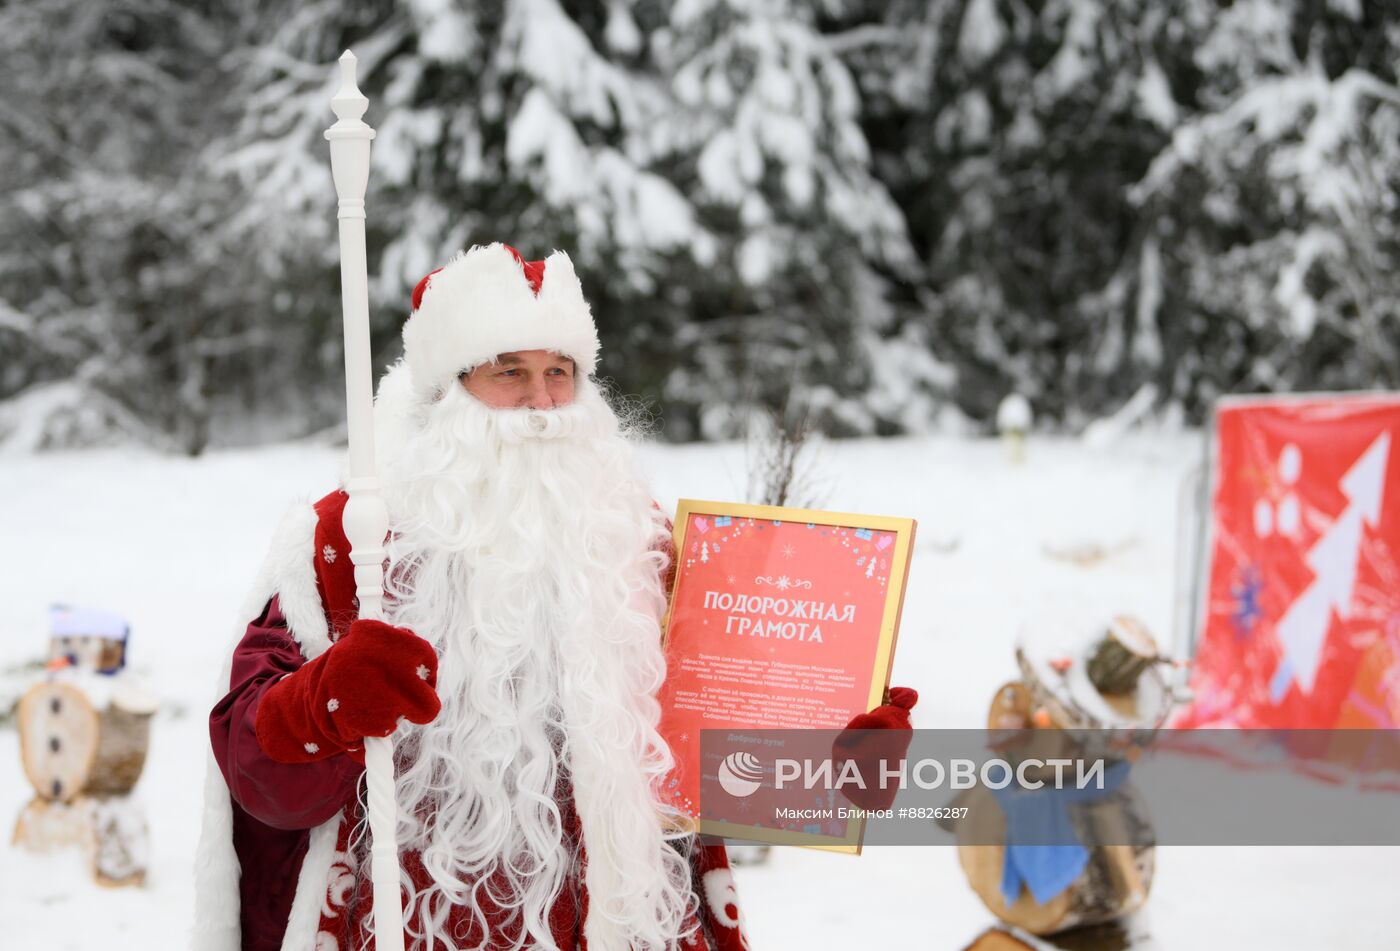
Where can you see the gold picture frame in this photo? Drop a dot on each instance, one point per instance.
(904, 530)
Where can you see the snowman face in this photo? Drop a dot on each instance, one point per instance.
(88, 652)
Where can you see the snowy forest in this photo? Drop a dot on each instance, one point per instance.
(887, 215)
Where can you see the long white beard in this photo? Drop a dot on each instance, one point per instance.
(526, 548)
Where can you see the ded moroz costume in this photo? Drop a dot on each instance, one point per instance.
(517, 666)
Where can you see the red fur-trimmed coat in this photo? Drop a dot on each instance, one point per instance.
(275, 869)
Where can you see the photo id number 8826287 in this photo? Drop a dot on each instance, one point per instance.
(933, 812)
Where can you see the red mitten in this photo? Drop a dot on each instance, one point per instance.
(360, 687)
(882, 734)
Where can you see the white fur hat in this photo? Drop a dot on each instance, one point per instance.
(489, 301)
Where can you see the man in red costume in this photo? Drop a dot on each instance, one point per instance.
(517, 666)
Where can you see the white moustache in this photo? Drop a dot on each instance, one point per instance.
(524, 425)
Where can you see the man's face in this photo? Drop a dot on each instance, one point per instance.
(534, 379)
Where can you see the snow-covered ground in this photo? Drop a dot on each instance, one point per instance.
(173, 544)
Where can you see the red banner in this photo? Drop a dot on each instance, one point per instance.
(1302, 616)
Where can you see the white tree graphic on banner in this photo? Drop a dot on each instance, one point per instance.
(1303, 629)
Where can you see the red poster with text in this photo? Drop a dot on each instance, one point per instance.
(775, 624)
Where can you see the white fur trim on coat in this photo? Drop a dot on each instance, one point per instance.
(480, 305)
(305, 918)
(216, 869)
(400, 412)
(287, 572)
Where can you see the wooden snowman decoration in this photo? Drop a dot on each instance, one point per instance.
(1106, 700)
(84, 732)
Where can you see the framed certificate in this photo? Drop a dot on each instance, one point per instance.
(780, 618)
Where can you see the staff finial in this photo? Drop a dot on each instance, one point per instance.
(349, 104)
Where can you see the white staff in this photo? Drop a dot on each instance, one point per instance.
(366, 518)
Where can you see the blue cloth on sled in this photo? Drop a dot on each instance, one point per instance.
(1038, 816)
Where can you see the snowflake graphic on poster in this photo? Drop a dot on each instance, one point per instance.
(783, 582)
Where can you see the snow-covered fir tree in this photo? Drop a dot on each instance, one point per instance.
(1196, 197)
(702, 163)
(767, 121)
(874, 214)
(116, 305)
(1010, 134)
(1269, 239)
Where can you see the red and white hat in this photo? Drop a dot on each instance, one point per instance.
(489, 301)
